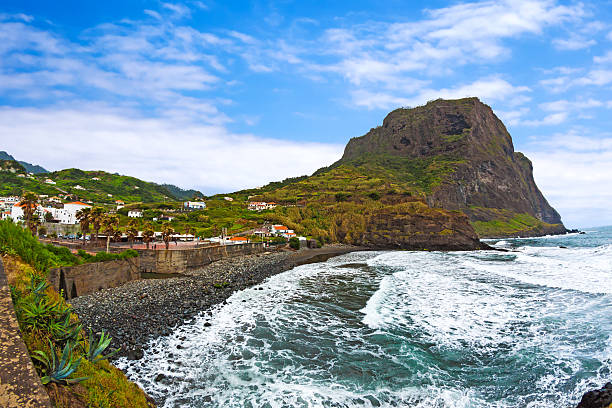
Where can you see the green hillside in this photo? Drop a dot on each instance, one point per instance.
(97, 186)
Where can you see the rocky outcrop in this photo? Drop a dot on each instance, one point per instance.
(601, 398)
(415, 226)
(482, 169)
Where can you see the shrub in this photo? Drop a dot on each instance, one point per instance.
(294, 243)
(17, 240)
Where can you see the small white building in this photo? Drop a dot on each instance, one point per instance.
(68, 214)
(228, 198)
(95, 178)
(261, 205)
(18, 213)
(49, 181)
(135, 214)
(79, 187)
(194, 205)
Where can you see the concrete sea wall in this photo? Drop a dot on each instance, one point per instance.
(178, 261)
(88, 278)
(20, 386)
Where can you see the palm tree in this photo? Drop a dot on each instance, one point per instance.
(29, 203)
(167, 232)
(96, 217)
(147, 234)
(109, 224)
(85, 218)
(132, 231)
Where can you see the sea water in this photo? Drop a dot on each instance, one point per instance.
(531, 327)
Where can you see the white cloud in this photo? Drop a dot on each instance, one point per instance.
(573, 171)
(487, 89)
(603, 59)
(179, 10)
(156, 149)
(548, 120)
(573, 43)
(564, 105)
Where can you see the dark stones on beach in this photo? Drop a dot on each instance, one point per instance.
(139, 311)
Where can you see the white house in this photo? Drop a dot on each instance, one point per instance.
(228, 198)
(18, 213)
(135, 214)
(67, 215)
(49, 181)
(194, 205)
(95, 178)
(79, 187)
(261, 205)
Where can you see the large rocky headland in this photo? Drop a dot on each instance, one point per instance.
(439, 176)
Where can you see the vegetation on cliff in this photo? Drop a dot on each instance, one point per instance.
(70, 363)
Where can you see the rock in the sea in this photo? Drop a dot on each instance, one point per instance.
(135, 354)
(601, 398)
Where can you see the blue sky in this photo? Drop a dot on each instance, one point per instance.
(225, 95)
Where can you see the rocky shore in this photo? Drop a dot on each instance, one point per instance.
(601, 398)
(141, 310)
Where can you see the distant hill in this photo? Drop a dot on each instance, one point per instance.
(30, 168)
(401, 183)
(182, 194)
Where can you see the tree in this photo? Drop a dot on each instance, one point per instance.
(147, 234)
(96, 217)
(84, 217)
(132, 231)
(29, 203)
(109, 225)
(48, 217)
(42, 231)
(167, 232)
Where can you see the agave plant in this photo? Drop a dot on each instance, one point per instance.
(39, 313)
(37, 286)
(59, 369)
(94, 352)
(64, 330)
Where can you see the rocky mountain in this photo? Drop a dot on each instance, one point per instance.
(485, 178)
(30, 168)
(454, 158)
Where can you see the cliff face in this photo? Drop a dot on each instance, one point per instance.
(482, 175)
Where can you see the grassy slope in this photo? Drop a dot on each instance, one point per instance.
(508, 224)
(25, 257)
(128, 189)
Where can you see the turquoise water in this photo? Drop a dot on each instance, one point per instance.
(527, 328)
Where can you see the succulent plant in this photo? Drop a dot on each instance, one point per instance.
(59, 369)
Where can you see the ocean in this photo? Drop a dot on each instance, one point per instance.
(531, 327)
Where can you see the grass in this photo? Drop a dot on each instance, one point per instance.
(506, 223)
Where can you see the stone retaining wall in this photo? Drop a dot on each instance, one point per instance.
(183, 260)
(88, 278)
(20, 386)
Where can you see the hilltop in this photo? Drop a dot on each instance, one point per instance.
(451, 156)
(96, 186)
(29, 167)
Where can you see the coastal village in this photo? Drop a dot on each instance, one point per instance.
(58, 217)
